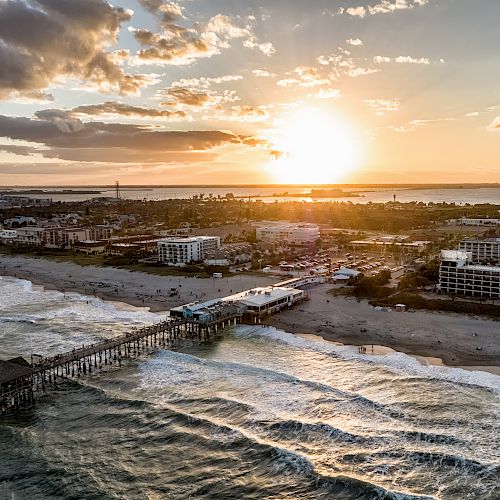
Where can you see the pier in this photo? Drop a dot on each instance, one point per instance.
(21, 380)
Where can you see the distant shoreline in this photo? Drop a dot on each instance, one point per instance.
(289, 186)
(452, 337)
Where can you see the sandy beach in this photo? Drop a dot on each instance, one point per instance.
(457, 340)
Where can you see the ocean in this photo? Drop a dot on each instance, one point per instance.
(463, 196)
(258, 413)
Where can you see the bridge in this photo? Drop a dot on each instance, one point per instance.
(20, 380)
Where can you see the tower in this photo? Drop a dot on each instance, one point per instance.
(117, 190)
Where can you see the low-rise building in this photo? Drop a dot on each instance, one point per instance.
(252, 304)
(294, 234)
(229, 255)
(479, 221)
(19, 220)
(458, 276)
(91, 246)
(182, 251)
(7, 236)
(482, 250)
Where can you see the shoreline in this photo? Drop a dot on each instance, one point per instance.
(452, 339)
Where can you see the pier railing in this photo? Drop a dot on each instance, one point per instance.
(18, 386)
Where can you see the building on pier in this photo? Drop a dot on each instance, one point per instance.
(263, 301)
(16, 385)
(251, 304)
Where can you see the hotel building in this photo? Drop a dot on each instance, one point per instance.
(458, 276)
(482, 250)
(298, 234)
(182, 251)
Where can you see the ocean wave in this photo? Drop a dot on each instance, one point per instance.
(398, 362)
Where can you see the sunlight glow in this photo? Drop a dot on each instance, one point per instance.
(314, 147)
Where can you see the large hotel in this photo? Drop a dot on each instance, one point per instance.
(458, 275)
(482, 250)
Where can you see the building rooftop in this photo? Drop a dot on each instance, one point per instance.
(262, 295)
(454, 255)
(14, 368)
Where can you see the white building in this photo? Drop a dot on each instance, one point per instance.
(182, 251)
(298, 234)
(29, 235)
(7, 236)
(467, 221)
(458, 276)
(482, 250)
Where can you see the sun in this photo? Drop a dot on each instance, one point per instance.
(313, 147)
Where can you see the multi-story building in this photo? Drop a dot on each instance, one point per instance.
(182, 251)
(29, 235)
(458, 276)
(60, 237)
(298, 234)
(482, 250)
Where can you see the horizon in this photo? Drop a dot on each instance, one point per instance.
(443, 185)
(350, 92)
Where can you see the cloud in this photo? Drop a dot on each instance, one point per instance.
(43, 41)
(63, 136)
(263, 73)
(382, 106)
(354, 41)
(383, 7)
(495, 124)
(113, 108)
(327, 94)
(353, 11)
(248, 114)
(401, 60)
(196, 97)
(413, 125)
(180, 45)
(304, 77)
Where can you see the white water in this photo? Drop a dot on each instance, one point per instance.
(292, 407)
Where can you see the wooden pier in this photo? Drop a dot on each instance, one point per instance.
(20, 380)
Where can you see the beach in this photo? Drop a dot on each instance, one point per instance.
(457, 340)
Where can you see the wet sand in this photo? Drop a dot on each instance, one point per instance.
(454, 339)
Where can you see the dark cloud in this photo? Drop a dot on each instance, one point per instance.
(41, 40)
(65, 137)
(123, 109)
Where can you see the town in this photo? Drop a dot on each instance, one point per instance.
(404, 254)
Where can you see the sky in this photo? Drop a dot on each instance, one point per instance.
(235, 92)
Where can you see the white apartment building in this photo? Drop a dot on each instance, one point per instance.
(29, 235)
(298, 234)
(458, 276)
(482, 250)
(60, 237)
(182, 251)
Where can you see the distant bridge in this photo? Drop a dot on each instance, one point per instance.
(20, 380)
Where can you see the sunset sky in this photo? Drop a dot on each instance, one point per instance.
(230, 92)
